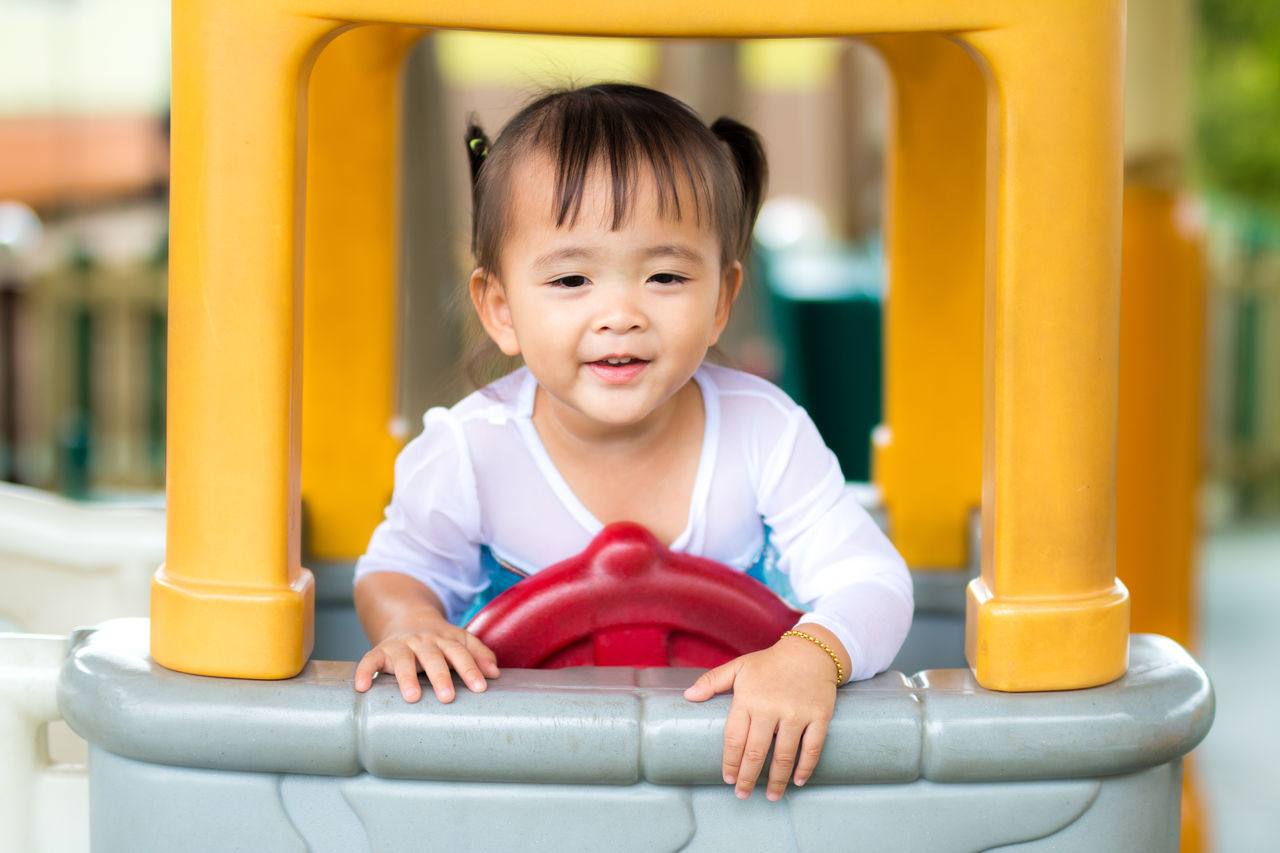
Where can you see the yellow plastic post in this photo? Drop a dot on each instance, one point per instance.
(232, 598)
(1161, 324)
(1161, 347)
(1047, 613)
(1162, 320)
(928, 453)
(349, 316)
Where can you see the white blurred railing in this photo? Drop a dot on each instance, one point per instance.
(44, 803)
(63, 564)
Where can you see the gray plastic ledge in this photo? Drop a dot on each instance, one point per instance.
(619, 726)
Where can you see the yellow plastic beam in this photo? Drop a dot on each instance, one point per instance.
(349, 315)
(670, 18)
(928, 454)
(1047, 613)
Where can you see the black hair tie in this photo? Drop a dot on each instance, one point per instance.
(477, 149)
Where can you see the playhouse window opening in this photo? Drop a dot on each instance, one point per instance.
(819, 104)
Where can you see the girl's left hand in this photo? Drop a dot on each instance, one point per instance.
(785, 693)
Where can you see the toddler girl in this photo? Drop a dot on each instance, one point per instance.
(610, 226)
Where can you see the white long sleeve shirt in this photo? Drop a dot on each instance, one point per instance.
(479, 475)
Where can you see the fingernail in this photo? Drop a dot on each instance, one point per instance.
(773, 796)
(800, 782)
(729, 779)
(742, 795)
(478, 684)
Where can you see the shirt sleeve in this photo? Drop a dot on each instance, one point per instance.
(431, 531)
(842, 568)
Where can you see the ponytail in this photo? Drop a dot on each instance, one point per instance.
(477, 148)
(477, 151)
(753, 172)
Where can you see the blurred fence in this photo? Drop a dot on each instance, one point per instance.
(88, 373)
(1243, 388)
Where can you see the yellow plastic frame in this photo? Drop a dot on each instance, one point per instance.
(1047, 612)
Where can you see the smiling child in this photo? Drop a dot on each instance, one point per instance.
(610, 226)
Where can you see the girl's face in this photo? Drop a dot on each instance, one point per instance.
(611, 323)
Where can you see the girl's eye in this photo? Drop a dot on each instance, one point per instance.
(667, 278)
(570, 281)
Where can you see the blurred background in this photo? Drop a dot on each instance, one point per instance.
(84, 101)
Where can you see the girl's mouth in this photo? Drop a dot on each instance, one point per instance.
(618, 370)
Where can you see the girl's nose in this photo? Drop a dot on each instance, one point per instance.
(620, 313)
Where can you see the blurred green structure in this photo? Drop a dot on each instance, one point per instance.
(825, 300)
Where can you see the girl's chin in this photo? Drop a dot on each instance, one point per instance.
(614, 417)
(593, 406)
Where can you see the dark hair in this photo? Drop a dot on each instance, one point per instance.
(622, 129)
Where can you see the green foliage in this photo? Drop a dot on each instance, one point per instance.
(1238, 103)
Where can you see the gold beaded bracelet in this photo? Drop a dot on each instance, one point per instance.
(835, 658)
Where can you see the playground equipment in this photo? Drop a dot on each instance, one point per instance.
(1051, 320)
(1021, 170)
(629, 601)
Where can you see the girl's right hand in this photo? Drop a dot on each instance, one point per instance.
(435, 650)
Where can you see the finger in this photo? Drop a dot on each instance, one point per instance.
(810, 748)
(437, 670)
(784, 759)
(736, 727)
(711, 682)
(753, 755)
(405, 666)
(371, 663)
(484, 656)
(464, 664)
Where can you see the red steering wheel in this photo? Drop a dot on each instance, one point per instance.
(627, 600)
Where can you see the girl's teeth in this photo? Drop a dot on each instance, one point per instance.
(618, 360)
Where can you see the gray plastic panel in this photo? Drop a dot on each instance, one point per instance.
(975, 733)
(140, 807)
(618, 726)
(146, 808)
(874, 738)
(137, 708)
(517, 733)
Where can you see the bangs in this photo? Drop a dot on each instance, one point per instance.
(623, 136)
(621, 144)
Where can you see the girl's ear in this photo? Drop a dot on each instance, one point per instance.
(729, 287)
(490, 302)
